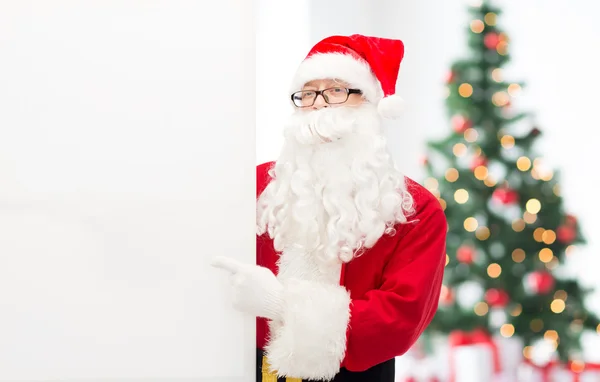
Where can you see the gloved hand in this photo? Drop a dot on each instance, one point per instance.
(256, 290)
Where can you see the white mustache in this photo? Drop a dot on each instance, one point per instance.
(321, 126)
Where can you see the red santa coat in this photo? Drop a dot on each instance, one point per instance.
(384, 301)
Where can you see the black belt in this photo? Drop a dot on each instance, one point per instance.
(384, 372)
(263, 373)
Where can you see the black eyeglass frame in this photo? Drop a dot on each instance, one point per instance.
(321, 93)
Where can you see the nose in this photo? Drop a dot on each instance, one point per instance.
(320, 102)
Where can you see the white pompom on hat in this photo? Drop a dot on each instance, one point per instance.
(370, 64)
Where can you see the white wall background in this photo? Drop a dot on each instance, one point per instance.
(553, 47)
(119, 180)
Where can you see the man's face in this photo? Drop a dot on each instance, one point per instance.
(326, 111)
(336, 92)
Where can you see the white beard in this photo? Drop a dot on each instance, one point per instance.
(335, 190)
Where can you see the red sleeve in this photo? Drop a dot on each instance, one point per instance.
(265, 253)
(388, 321)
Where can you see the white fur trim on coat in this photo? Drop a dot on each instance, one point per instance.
(342, 67)
(310, 341)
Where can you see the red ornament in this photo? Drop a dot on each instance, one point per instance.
(540, 282)
(465, 254)
(491, 40)
(479, 160)
(496, 298)
(566, 234)
(460, 124)
(446, 296)
(505, 196)
(424, 160)
(570, 220)
(450, 77)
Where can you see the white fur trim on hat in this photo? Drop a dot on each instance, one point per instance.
(342, 67)
(391, 106)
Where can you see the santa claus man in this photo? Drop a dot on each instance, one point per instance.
(350, 252)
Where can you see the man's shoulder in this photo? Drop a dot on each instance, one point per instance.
(262, 176)
(423, 199)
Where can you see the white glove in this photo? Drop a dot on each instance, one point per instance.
(256, 289)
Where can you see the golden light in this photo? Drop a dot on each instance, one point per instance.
(446, 92)
(482, 233)
(557, 306)
(529, 217)
(500, 98)
(577, 366)
(527, 350)
(547, 175)
(502, 48)
(508, 141)
(552, 264)
(465, 90)
(497, 74)
(461, 196)
(514, 89)
(536, 325)
(523, 163)
(546, 255)
(489, 181)
(556, 190)
(494, 270)
(507, 330)
(535, 173)
(570, 249)
(551, 335)
(477, 26)
(431, 184)
(561, 295)
(538, 233)
(452, 175)
(576, 326)
(516, 311)
(471, 135)
(481, 309)
(549, 236)
(447, 259)
(518, 225)
(490, 18)
(598, 329)
(518, 255)
(442, 203)
(533, 206)
(459, 149)
(471, 224)
(480, 172)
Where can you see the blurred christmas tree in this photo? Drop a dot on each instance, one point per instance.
(508, 231)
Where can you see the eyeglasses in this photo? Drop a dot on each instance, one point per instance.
(307, 98)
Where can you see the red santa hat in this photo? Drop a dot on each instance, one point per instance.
(370, 64)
